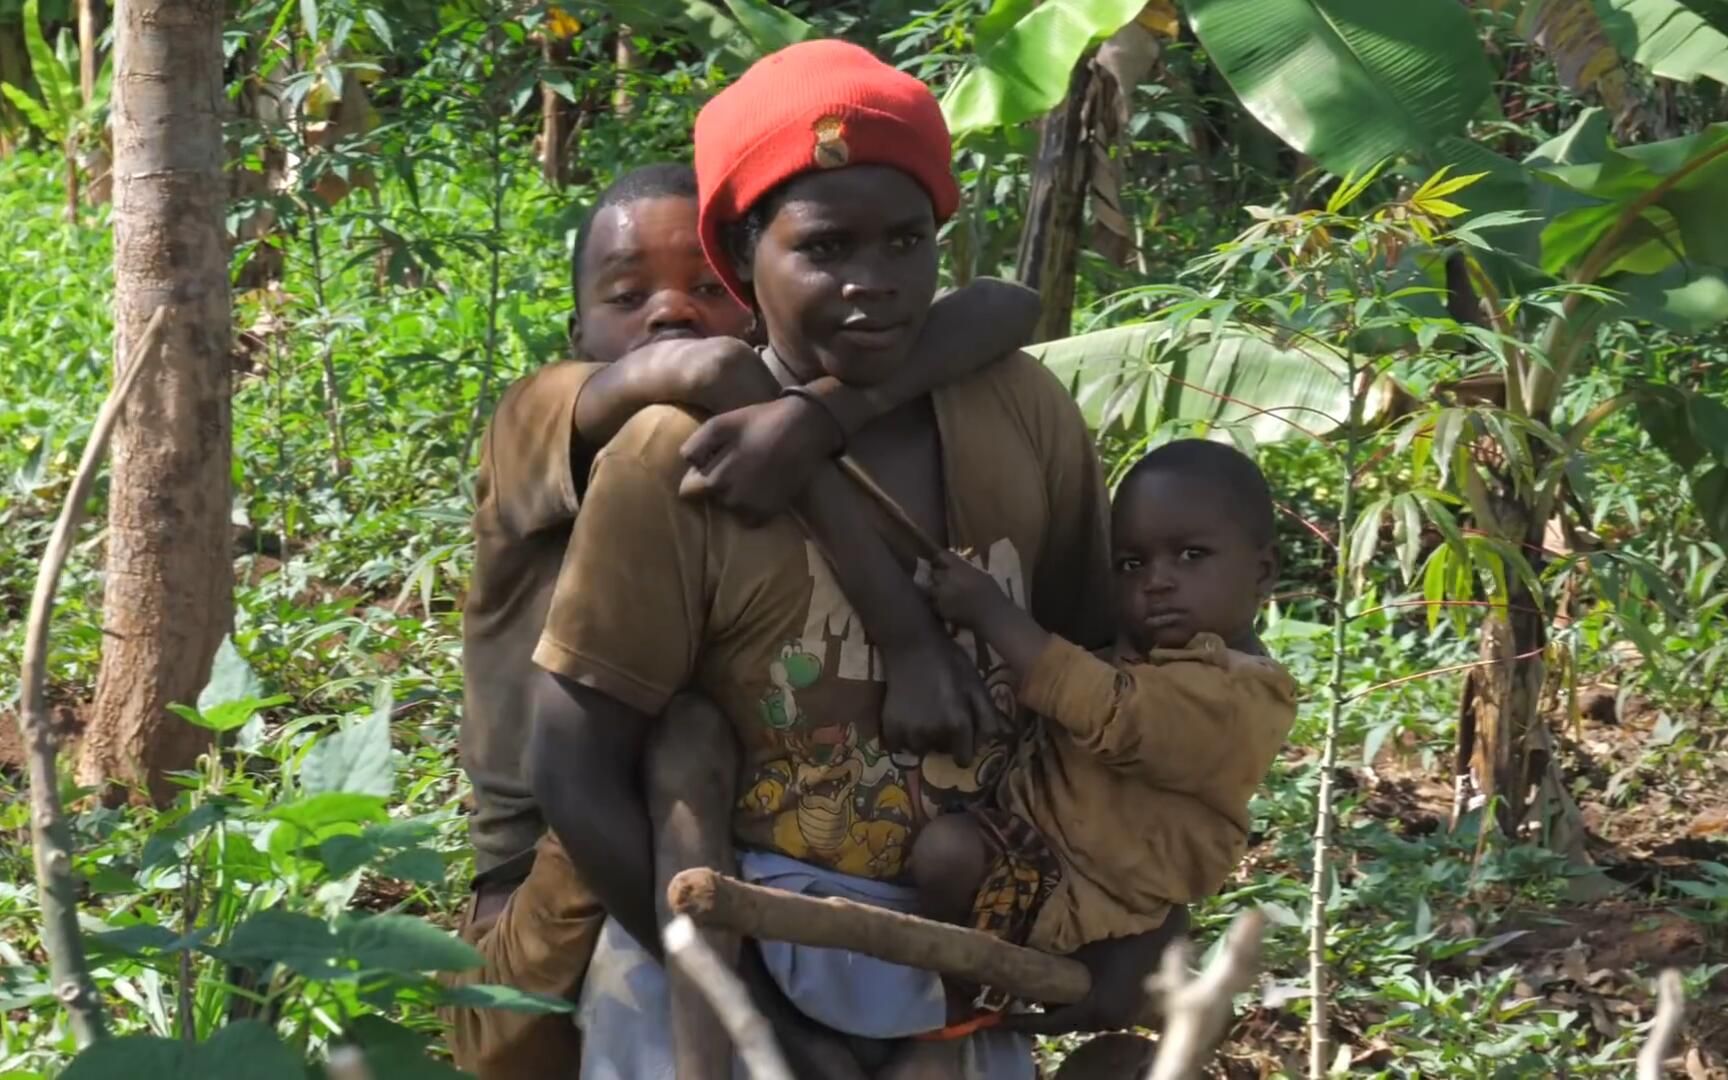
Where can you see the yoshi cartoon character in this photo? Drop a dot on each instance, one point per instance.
(791, 671)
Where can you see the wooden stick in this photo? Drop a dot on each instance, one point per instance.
(1196, 1010)
(712, 899)
(1670, 1011)
(749, 1029)
(927, 547)
(51, 836)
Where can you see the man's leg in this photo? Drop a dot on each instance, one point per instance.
(692, 772)
(539, 940)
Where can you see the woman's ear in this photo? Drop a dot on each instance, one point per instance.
(573, 334)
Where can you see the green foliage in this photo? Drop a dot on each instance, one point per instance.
(1186, 370)
(1676, 39)
(1025, 56)
(59, 112)
(1349, 82)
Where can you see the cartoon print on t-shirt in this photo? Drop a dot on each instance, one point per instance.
(792, 671)
(834, 796)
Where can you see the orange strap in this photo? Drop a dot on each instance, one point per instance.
(981, 1022)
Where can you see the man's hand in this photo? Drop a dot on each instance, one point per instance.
(719, 374)
(755, 460)
(1119, 969)
(936, 701)
(964, 594)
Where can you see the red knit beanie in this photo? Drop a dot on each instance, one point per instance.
(815, 105)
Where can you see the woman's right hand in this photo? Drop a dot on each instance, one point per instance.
(936, 701)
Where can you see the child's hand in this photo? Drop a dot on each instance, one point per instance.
(721, 374)
(962, 593)
(755, 460)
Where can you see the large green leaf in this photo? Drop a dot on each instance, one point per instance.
(1138, 377)
(59, 87)
(1644, 208)
(1349, 82)
(403, 943)
(1676, 39)
(1024, 71)
(40, 118)
(355, 760)
(770, 27)
(243, 1048)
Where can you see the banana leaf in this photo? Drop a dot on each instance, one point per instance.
(1349, 82)
(1676, 39)
(1134, 378)
(1653, 205)
(771, 27)
(1023, 72)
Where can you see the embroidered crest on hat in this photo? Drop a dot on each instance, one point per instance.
(831, 149)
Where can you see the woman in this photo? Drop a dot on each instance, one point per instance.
(823, 176)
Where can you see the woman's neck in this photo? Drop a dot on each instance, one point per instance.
(790, 370)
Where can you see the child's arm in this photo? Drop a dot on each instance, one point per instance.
(1198, 719)
(967, 596)
(754, 460)
(715, 374)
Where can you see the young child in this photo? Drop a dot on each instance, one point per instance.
(1132, 794)
(654, 324)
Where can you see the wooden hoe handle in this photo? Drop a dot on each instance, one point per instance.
(714, 900)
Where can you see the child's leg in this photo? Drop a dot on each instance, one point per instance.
(692, 773)
(949, 861)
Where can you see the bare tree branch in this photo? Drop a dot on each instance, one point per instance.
(50, 835)
(1670, 1012)
(1197, 1009)
(749, 1029)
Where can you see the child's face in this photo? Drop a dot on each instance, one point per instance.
(1184, 563)
(644, 279)
(845, 271)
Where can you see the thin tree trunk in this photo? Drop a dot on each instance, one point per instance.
(1050, 240)
(89, 28)
(554, 116)
(169, 592)
(15, 69)
(625, 60)
(96, 159)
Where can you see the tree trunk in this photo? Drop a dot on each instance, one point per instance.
(1501, 706)
(625, 60)
(168, 597)
(554, 116)
(89, 28)
(15, 69)
(1050, 241)
(1505, 749)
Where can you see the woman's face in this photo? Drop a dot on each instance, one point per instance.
(845, 271)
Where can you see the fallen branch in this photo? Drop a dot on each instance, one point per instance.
(50, 836)
(749, 1029)
(1197, 1009)
(712, 899)
(1670, 1011)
